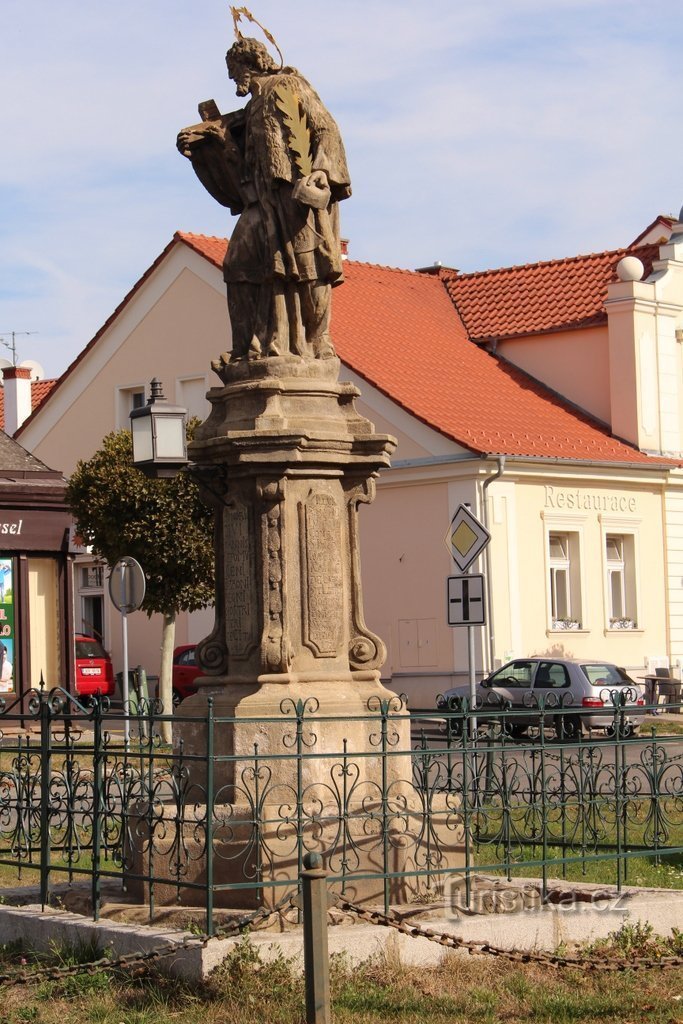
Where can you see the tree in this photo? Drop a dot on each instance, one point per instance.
(161, 523)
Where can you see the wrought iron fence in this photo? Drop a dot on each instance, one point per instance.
(398, 803)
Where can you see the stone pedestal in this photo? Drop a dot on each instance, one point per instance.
(312, 741)
(286, 460)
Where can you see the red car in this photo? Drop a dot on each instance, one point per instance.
(185, 671)
(94, 672)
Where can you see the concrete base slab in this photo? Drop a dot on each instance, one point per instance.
(583, 914)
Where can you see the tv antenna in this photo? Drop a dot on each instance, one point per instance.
(12, 345)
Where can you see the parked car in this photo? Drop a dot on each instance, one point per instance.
(94, 672)
(185, 671)
(587, 689)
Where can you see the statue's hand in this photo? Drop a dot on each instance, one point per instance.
(313, 190)
(187, 138)
(318, 179)
(190, 138)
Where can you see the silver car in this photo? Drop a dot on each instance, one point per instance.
(575, 695)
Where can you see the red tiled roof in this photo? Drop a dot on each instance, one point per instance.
(40, 389)
(210, 246)
(399, 331)
(539, 297)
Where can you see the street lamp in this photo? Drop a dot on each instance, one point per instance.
(159, 445)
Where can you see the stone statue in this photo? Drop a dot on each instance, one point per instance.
(280, 164)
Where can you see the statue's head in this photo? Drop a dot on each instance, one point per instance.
(246, 58)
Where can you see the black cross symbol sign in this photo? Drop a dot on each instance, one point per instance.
(466, 600)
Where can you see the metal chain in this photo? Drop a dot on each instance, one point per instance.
(480, 948)
(130, 960)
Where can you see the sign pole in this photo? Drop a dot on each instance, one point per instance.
(127, 591)
(472, 674)
(124, 682)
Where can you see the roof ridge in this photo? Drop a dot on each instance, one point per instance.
(182, 235)
(449, 274)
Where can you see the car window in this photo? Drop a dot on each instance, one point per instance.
(601, 673)
(187, 657)
(551, 674)
(518, 674)
(90, 649)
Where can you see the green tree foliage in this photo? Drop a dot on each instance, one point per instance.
(161, 523)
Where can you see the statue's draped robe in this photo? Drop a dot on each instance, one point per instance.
(277, 236)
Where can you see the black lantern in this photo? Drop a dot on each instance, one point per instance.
(159, 446)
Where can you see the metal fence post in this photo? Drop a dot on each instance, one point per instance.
(316, 960)
(45, 776)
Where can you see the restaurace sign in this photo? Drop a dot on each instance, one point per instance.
(576, 500)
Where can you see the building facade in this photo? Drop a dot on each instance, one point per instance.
(546, 397)
(36, 599)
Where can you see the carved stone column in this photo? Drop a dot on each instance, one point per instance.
(286, 460)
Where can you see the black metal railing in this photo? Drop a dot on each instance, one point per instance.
(399, 804)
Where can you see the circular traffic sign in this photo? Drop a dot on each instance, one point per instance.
(127, 585)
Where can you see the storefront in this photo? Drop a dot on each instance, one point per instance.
(36, 619)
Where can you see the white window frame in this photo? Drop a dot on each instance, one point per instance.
(572, 527)
(560, 565)
(627, 531)
(124, 399)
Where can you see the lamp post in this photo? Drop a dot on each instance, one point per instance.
(158, 428)
(160, 451)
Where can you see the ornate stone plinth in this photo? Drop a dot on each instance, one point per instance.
(286, 460)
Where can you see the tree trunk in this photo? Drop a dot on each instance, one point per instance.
(166, 674)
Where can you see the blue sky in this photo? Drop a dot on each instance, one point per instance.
(481, 135)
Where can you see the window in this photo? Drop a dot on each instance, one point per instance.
(187, 657)
(90, 601)
(551, 675)
(516, 675)
(91, 576)
(620, 581)
(565, 581)
(128, 399)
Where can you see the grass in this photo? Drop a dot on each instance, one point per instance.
(598, 864)
(245, 991)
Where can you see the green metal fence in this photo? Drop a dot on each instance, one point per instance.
(399, 804)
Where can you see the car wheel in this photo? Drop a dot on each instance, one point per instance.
(517, 731)
(176, 698)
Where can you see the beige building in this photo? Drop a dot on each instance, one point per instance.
(547, 397)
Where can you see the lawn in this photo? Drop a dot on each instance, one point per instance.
(242, 991)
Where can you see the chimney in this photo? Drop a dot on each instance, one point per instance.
(17, 386)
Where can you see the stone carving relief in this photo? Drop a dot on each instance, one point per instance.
(275, 647)
(239, 580)
(366, 649)
(322, 573)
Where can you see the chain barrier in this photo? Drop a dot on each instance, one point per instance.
(481, 948)
(131, 960)
(474, 947)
